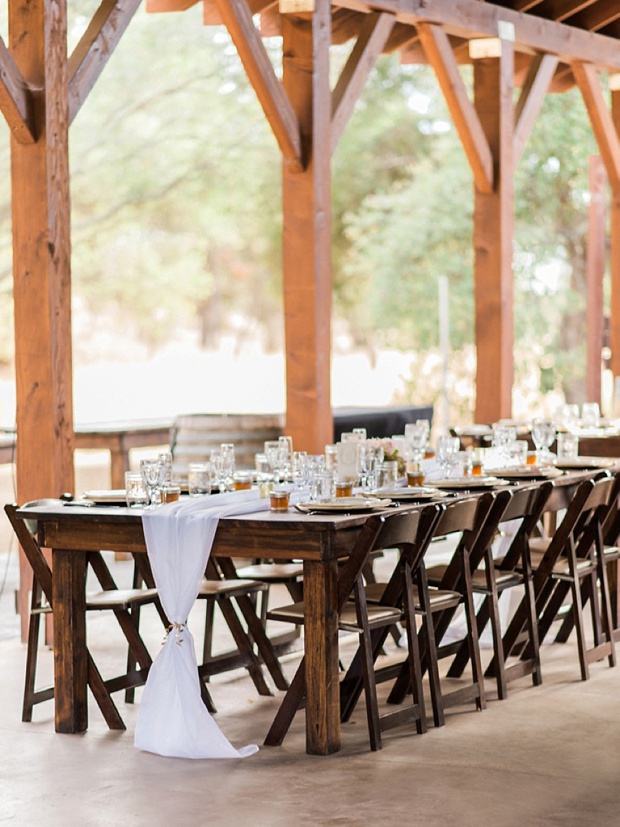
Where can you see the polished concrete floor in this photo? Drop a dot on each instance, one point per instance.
(548, 755)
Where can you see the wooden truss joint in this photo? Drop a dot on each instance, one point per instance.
(440, 56)
(16, 99)
(372, 38)
(237, 17)
(603, 126)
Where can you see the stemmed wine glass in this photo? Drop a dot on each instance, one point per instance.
(543, 434)
(223, 463)
(153, 472)
(369, 458)
(447, 450)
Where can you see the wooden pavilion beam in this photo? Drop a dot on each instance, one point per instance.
(95, 48)
(471, 18)
(306, 201)
(373, 36)
(281, 115)
(596, 17)
(561, 10)
(16, 99)
(466, 121)
(596, 254)
(601, 120)
(41, 261)
(615, 252)
(536, 86)
(493, 240)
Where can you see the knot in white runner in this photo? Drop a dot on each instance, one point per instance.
(172, 719)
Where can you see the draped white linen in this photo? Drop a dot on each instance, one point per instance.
(172, 718)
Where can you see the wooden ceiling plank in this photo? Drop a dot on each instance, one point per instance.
(373, 36)
(15, 98)
(259, 69)
(601, 120)
(560, 10)
(471, 18)
(466, 121)
(536, 86)
(162, 6)
(602, 14)
(95, 48)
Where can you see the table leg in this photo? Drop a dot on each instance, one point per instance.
(70, 653)
(321, 657)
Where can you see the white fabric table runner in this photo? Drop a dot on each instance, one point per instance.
(172, 718)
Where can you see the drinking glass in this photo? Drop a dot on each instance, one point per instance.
(152, 471)
(136, 493)
(166, 460)
(275, 454)
(199, 478)
(360, 433)
(543, 434)
(447, 453)
(590, 415)
(299, 471)
(568, 446)
(223, 465)
(369, 458)
(416, 436)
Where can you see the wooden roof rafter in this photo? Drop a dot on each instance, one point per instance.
(473, 18)
(237, 17)
(372, 38)
(95, 48)
(16, 98)
(466, 121)
(602, 121)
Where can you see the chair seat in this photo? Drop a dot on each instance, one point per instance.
(377, 616)
(273, 572)
(119, 598)
(611, 552)
(229, 588)
(438, 597)
(503, 579)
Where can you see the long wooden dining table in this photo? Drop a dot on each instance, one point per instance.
(72, 531)
(320, 540)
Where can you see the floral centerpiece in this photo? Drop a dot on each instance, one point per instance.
(391, 453)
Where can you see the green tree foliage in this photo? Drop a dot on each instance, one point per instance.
(176, 208)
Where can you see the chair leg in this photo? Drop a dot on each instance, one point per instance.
(207, 648)
(415, 666)
(428, 634)
(34, 626)
(257, 631)
(472, 633)
(368, 665)
(244, 645)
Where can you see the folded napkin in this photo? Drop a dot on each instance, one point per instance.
(172, 719)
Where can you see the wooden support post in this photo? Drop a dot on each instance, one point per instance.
(615, 254)
(306, 199)
(493, 239)
(595, 272)
(41, 262)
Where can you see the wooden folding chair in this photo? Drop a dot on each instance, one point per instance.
(223, 588)
(122, 602)
(469, 518)
(572, 561)
(396, 530)
(495, 577)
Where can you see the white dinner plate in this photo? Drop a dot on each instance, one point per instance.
(583, 463)
(346, 504)
(416, 493)
(532, 472)
(468, 483)
(110, 497)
